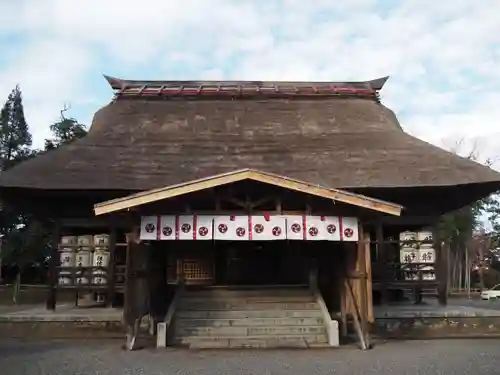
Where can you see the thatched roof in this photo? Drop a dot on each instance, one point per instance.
(156, 134)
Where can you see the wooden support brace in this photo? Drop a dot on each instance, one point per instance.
(356, 316)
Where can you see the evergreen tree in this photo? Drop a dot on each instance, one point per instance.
(15, 138)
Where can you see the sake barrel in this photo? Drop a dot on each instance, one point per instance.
(65, 278)
(408, 239)
(425, 239)
(69, 241)
(410, 272)
(99, 277)
(67, 258)
(86, 241)
(100, 259)
(429, 274)
(81, 279)
(101, 240)
(409, 256)
(83, 258)
(427, 255)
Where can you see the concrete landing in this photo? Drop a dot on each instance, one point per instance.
(68, 321)
(460, 319)
(65, 312)
(433, 309)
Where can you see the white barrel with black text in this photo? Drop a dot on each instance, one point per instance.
(101, 240)
(69, 241)
(408, 240)
(425, 239)
(86, 241)
(83, 258)
(65, 278)
(82, 278)
(99, 277)
(100, 259)
(67, 258)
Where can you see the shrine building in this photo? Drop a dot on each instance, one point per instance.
(277, 212)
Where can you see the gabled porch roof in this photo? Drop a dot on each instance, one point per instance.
(167, 192)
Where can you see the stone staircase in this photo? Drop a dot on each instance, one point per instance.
(259, 318)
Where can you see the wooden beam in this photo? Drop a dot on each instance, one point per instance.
(121, 222)
(261, 201)
(335, 194)
(403, 221)
(228, 178)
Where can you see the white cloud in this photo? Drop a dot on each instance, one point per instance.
(441, 55)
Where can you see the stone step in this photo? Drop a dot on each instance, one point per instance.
(249, 331)
(245, 322)
(252, 299)
(289, 341)
(225, 293)
(247, 314)
(243, 305)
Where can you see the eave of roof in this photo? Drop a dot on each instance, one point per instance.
(175, 89)
(167, 192)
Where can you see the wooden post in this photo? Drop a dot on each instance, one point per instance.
(382, 263)
(361, 268)
(53, 266)
(130, 239)
(369, 284)
(111, 266)
(441, 267)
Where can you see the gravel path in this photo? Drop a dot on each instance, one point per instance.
(460, 357)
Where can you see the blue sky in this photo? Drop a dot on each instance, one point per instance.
(443, 57)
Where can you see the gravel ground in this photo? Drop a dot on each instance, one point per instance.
(460, 357)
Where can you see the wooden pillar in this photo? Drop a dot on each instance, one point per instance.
(128, 275)
(441, 267)
(361, 268)
(53, 266)
(369, 283)
(111, 266)
(382, 263)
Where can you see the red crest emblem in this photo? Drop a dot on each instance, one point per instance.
(258, 228)
(313, 231)
(348, 232)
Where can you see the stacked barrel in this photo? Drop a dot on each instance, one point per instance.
(83, 252)
(427, 254)
(417, 248)
(67, 259)
(100, 259)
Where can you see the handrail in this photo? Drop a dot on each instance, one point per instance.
(332, 326)
(164, 327)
